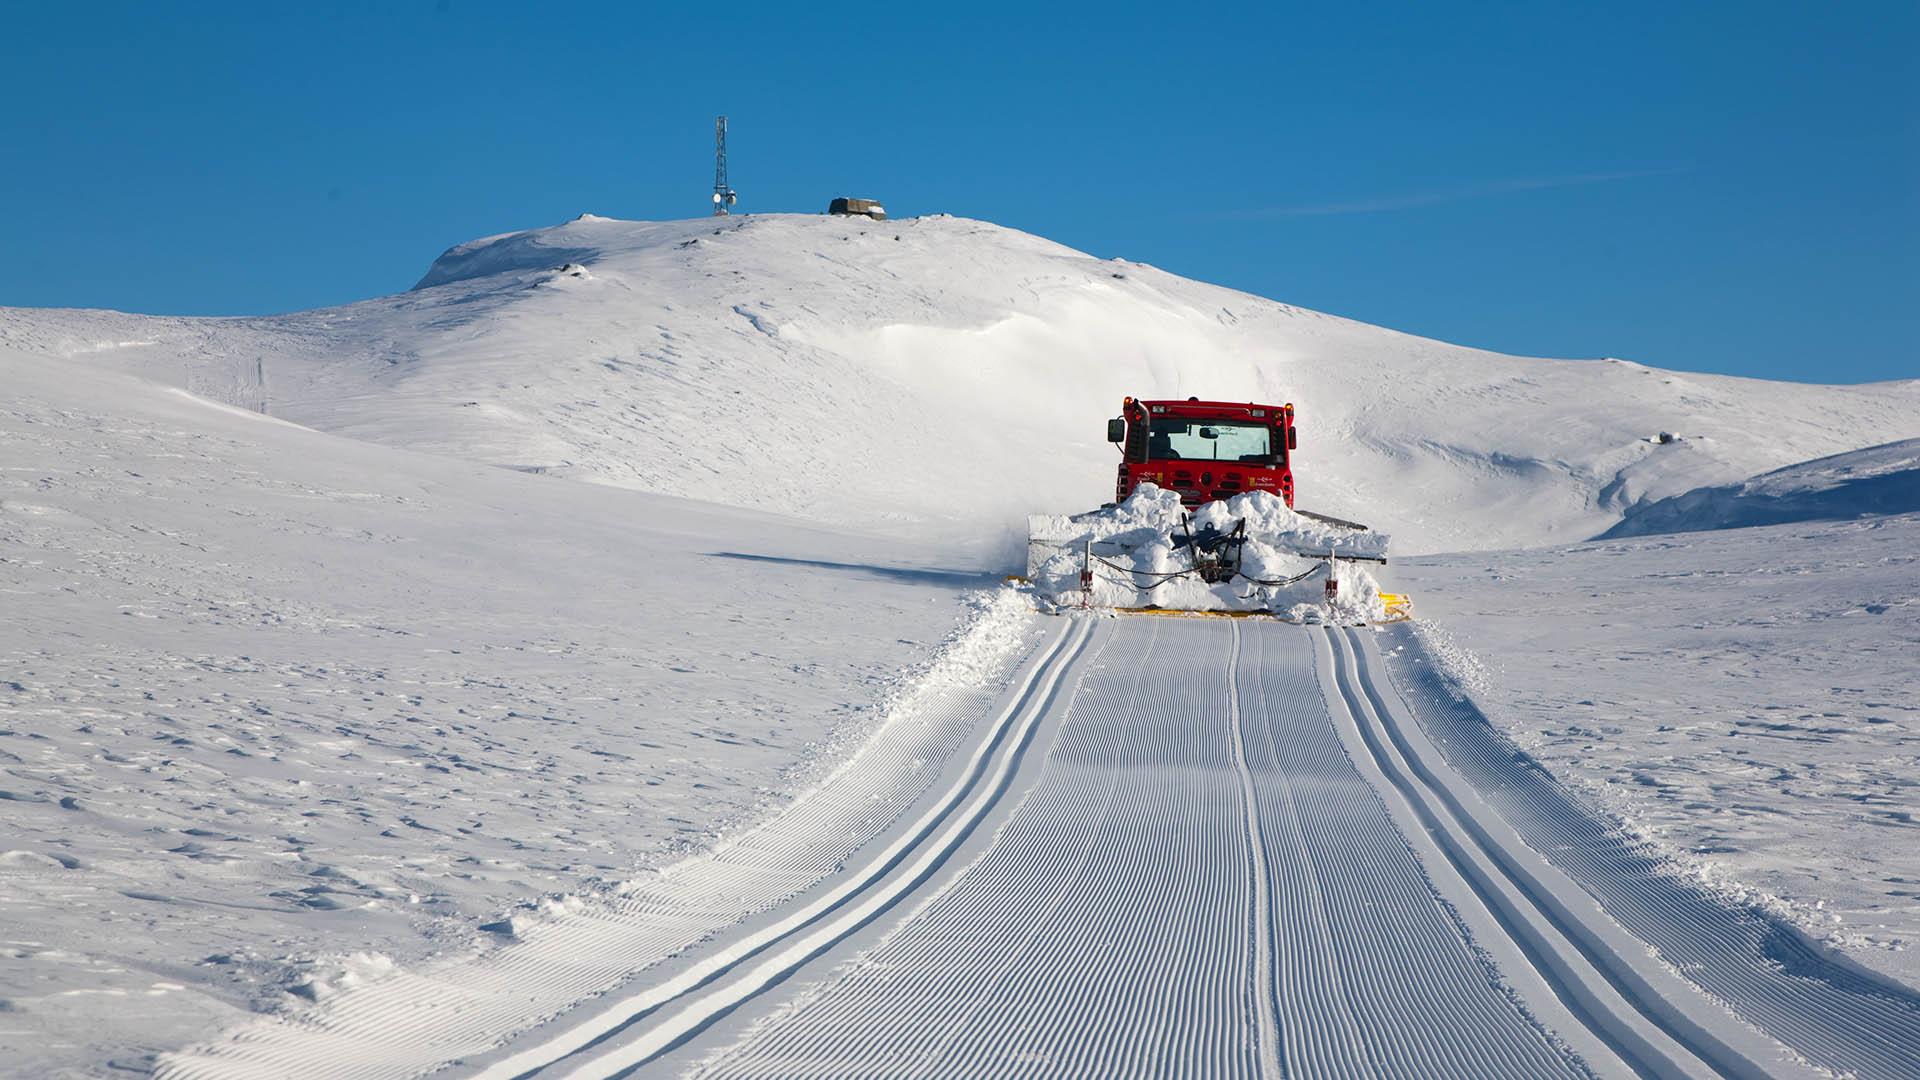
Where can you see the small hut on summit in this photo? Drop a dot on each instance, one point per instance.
(858, 207)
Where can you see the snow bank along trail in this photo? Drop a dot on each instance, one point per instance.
(623, 947)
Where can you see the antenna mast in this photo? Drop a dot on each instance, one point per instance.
(723, 196)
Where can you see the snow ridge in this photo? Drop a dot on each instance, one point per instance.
(1860, 483)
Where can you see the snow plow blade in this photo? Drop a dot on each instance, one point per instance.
(1331, 520)
(1250, 555)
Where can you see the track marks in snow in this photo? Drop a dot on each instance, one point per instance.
(1206, 849)
(718, 983)
(1105, 932)
(1267, 1025)
(1380, 979)
(1829, 1012)
(1599, 992)
(1199, 883)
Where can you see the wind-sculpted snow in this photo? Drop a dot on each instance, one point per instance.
(418, 1020)
(1825, 1008)
(1860, 483)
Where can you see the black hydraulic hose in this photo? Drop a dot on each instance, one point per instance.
(1278, 582)
(1166, 575)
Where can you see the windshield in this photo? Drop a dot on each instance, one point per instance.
(1210, 440)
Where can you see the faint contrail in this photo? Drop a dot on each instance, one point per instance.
(1457, 194)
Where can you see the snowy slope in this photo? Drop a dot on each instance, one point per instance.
(1860, 483)
(946, 376)
(281, 710)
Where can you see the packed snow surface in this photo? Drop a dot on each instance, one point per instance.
(1860, 483)
(941, 376)
(1141, 554)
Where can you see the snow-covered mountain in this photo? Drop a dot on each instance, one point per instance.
(943, 377)
(286, 708)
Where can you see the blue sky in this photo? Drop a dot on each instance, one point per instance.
(1720, 187)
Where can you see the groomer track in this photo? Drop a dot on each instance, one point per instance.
(1185, 848)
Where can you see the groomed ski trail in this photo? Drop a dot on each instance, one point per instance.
(1171, 848)
(1829, 1011)
(1198, 882)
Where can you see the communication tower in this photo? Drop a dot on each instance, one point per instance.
(723, 196)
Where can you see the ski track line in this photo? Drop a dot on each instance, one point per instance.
(1635, 1021)
(422, 1019)
(1385, 963)
(1110, 928)
(1267, 1027)
(1831, 1013)
(818, 926)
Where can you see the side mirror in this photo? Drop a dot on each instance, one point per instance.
(1117, 429)
(1293, 438)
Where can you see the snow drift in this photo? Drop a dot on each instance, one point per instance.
(1861, 483)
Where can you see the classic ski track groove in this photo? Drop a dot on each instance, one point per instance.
(1831, 1013)
(1267, 1027)
(1110, 929)
(1558, 944)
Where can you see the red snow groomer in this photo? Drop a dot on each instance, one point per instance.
(1204, 450)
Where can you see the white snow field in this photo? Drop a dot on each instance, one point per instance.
(701, 738)
(280, 711)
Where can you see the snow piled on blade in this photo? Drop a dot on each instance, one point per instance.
(1140, 557)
